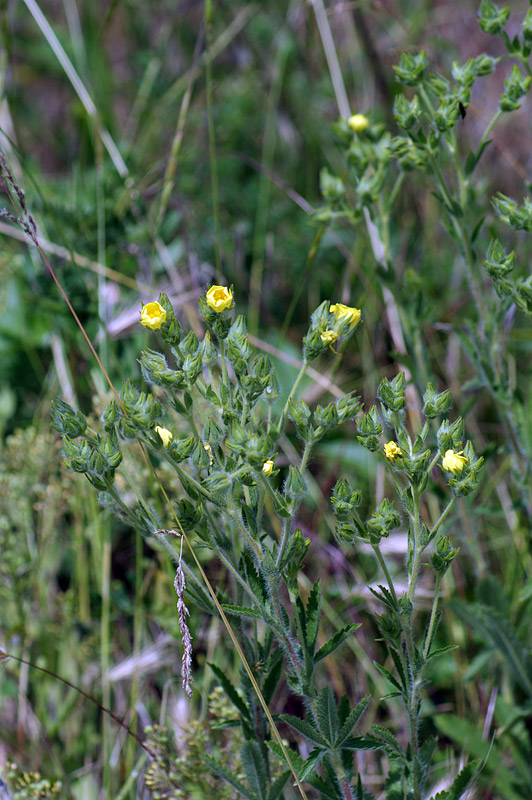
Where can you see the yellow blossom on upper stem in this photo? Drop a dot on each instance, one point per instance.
(454, 462)
(391, 450)
(165, 434)
(346, 314)
(219, 298)
(328, 337)
(358, 123)
(152, 316)
(208, 449)
(267, 467)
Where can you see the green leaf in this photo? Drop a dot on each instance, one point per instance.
(335, 641)
(231, 692)
(388, 675)
(255, 768)
(313, 617)
(228, 776)
(464, 779)
(305, 729)
(473, 158)
(295, 758)
(311, 762)
(241, 611)
(351, 720)
(327, 715)
(278, 785)
(272, 678)
(388, 742)
(250, 519)
(441, 650)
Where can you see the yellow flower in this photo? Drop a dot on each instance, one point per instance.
(219, 298)
(267, 467)
(358, 123)
(152, 315)
(165, 434)
(391, 450)
(208, 449)
(346, 314)
(454, 462)
(328, 337)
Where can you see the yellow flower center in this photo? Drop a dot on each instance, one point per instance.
(391, 450)
(219, 298)
(454, 462)
(358, 123)
(152, 316)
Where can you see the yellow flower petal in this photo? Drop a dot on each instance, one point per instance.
(165, 434)
(328, 337)
(346, 314)
(454, 462)
(391, 450)
(267, 467)
(152, 316)
(219, 298)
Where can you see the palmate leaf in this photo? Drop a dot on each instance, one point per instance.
(305, 729)
(311, 762)
(272, 678)
(327, 714)
(351, 720)
(255, 768)
(388, 742)
(313, 617)
(388, 675)
(222, 771)
(335, 641)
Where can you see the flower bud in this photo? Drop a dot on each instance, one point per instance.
(392, 394)
(407, 114)
(358, 123)
(164, 434)
(435, 404)
(369, 429)
(192, 367)
(411, 68)
(443, 556)
(66, 420)
(219, 298)
(492, 19)
(155, 369)
(331, 187)
(110, 416)
(295, 486)
(383, 521)
(327, 417)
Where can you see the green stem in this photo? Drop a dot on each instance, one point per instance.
(433, 615)
(441, 519)
(384, 568)
(291, 395)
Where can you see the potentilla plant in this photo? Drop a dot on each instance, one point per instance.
(430, 150)
(211, 414)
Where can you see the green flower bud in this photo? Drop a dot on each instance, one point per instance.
(77, 454)
(299, 413)
(110, 416)
(369, 429)
(392, 394)
(190, 343)
(189, 515)
(110, 450)
(435, 404)
(389, 627)
(348, 407)
(294, 556)
(443, 556)
(155, 369)
(327, 417)
(484, 65)
(346, 533)
(344, 499)
(218, 323)
(192, 367)
(208, 351)
(217, 482)
(411, 68)
(331, 187)
(66, 420)
(383, 521)
(407, 114)
(212, 432)
(295, 486)
(515, 87)
(179, 449)
(449, 436)
(491, 18)
(447, 113)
